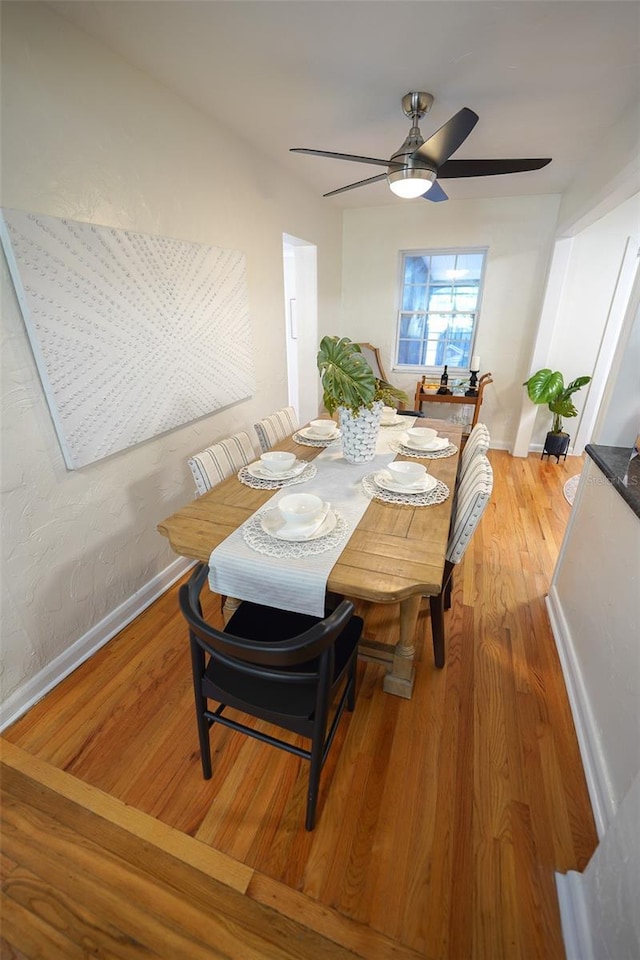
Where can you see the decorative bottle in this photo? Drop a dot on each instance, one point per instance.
(444, 380)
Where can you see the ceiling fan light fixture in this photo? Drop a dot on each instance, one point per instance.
(411, 183)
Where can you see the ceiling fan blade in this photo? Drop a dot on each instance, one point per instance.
(340, 156)
(448, 138)
(435, 193)
(360, 183)
(488, 168)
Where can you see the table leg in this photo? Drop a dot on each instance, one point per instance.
(399, 680)
(229, 607)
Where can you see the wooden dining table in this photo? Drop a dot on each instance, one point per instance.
(395, 555)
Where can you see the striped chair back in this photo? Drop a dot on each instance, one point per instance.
(218, 462)
(276, 427)
(473, 495)
(477, 442)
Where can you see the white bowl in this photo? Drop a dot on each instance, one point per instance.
(388, 414)
(301, 509)
(421, 436)
(323, 428)
(277, 461)
(407, 474)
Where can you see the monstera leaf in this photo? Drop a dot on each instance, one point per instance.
(347, 379)
(547, 386)
(386, 392)
(544, 386)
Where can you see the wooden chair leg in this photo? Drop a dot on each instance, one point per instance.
(314, 781)
(351, 680)
(203, 736)
(436, 604)
(197, 667)
(447, 593)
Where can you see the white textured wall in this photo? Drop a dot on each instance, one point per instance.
(610, 885)
(590, 281)
(620, 422)
(85, 135)
(597, 585)
(606, 178)
(518, 232)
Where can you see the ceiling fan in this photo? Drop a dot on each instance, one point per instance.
(414, 168)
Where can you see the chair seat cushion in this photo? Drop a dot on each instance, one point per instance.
(296, 699)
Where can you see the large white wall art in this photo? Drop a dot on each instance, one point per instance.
(133, 334)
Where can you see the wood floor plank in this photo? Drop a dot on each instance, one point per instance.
(360, 938)
(9, 951)
(42, 784)
(72, 918)
(116, 904)
(442, 819)
(31, 937)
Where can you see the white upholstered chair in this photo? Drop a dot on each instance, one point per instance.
(473, 496)
(276, 427)
(219, 461)
(212, 466)
(477, 443)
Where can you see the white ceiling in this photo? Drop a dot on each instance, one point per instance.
(547, 78)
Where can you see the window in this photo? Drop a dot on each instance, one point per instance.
(439, 305)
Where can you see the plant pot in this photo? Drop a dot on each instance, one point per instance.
(360, 433)
(556, 445)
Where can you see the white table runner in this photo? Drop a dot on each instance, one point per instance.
(236, 570)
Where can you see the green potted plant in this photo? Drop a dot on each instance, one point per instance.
(547, 386)
(351, 388)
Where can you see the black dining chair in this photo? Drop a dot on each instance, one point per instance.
(282, 667)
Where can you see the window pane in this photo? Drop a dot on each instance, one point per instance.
(410, 352)
(457, 352)
(463, 323)
(443, 266)
(413, 326)
(466, 298)
(441, 298)
(471, 264)
(414, 298)
(416, 269)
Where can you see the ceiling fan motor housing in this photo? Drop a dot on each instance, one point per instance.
(403, 164)
(416, 105)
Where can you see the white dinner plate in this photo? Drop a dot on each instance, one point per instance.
(310, 434)
(273, 523)
(385, 481)
(438, 444)
(261, 473)
(393, 423)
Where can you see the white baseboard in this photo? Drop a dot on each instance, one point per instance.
(574, 916)
(593, 761)
(59, 668)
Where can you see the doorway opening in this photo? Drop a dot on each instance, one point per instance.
(301, 324)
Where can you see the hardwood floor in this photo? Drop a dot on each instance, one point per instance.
(441, 819)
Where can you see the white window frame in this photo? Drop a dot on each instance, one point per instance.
(445, 251)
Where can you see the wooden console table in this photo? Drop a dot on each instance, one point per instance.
(429, 396)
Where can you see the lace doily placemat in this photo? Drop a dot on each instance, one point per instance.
(438, 495)
(245, 477)
(424, 454)
(260, 541)
(308, 442)
(395, 426)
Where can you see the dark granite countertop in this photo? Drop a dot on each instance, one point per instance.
(614, 463)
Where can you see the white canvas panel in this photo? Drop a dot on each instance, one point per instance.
(133, 334)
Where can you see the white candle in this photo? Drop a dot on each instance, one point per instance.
(475, 364)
